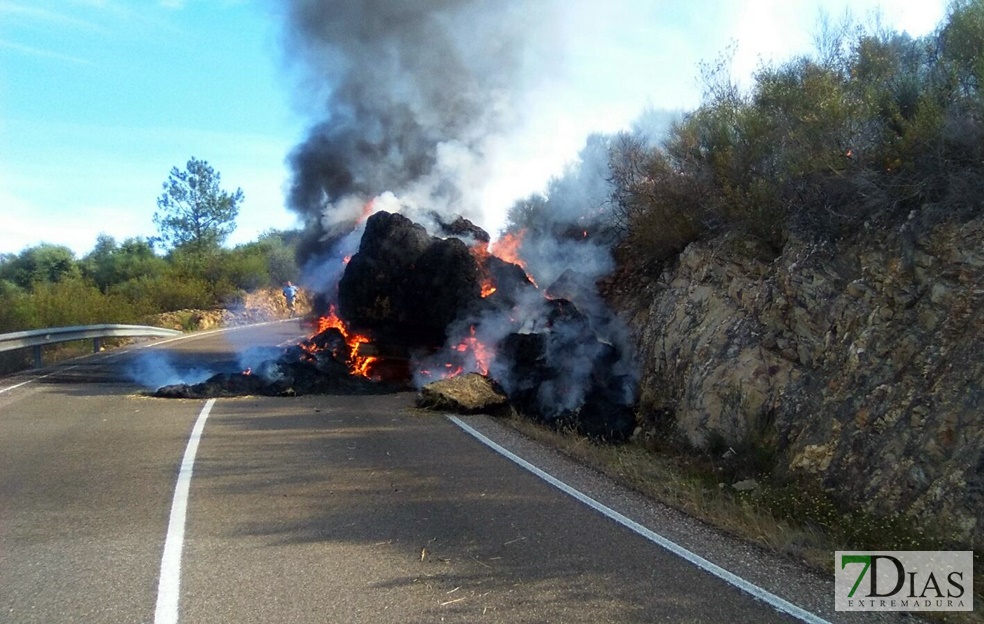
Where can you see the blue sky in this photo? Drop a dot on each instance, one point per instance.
(100, 98)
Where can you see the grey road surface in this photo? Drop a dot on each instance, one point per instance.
(349, 509)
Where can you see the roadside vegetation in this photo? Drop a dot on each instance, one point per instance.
(871, 126)
(130, 281)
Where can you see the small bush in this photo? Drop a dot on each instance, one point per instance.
(15, 308)
(167, 292)
(76, 302)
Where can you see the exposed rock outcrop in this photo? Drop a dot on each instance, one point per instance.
(860, 364)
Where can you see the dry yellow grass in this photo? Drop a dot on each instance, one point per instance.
(471, 393)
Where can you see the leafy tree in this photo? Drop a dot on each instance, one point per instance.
(279, 248)
(40, 264)
(15, 313)
(194, 211)
(876, 125)
(962, 46)
(110, 264)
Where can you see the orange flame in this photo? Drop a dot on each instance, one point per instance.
(506, 248)
(481, 353)
(469, 355)
(358, 364)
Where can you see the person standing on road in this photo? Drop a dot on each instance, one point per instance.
(290, 293)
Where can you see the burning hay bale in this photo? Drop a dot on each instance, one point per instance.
(283, 379)
(408, 287)
(555, 363)
(460, 227)
(470, 327)
(405, 285)
(466, 394)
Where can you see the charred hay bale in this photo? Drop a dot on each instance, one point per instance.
(374, 286)
(393, 239)
(601, 417)
(445, 281)
(509, 279)
(221, 385)
(460, 227)
(568, 378)
(522, 359)
(465, 394)
(331, 340)
(563, 315)
(325, 375)
(571, 285)
(405, 285)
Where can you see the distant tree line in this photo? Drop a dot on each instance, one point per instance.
(125, 282)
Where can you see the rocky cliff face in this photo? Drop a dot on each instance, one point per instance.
(860, 365)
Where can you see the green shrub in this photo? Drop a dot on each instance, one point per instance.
(110, 264)
(15, 309)
(165, 293)
(878, 124)
(39, 264)
(76, 302)
(657, 211)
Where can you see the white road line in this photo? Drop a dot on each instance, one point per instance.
(769, 598)
(169, 587)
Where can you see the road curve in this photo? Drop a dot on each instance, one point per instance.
(316, 509)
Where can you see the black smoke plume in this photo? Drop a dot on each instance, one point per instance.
(411, 92)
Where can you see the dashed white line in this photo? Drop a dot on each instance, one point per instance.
(169, 587)
(765, 596)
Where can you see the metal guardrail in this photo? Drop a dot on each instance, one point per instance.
(38, 338)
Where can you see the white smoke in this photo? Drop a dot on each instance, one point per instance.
(152, 370)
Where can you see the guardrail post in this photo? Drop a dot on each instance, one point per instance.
(96, 345)
(37, 356)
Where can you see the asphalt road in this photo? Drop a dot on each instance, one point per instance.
(350, 509)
